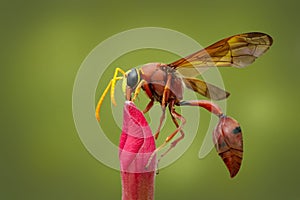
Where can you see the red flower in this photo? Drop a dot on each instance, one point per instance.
(136, 146)
(228, 141)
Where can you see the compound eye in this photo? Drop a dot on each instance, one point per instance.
(132, 78)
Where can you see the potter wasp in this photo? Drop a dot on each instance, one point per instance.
(165, 84)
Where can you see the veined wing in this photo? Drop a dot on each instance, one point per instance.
(236, 51)
(208, 90)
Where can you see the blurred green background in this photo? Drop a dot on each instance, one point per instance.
(43, 44)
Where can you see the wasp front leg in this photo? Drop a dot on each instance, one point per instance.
(147, 89)
(138, 89)
(149, 106)
(145, 86)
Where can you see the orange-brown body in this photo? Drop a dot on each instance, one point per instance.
(156, 75)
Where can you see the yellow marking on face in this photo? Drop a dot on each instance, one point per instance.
(124, 83)
(141, 70)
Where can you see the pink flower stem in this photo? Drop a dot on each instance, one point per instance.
(136, 146)
(137, 186)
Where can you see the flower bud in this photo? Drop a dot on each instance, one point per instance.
(135, 149)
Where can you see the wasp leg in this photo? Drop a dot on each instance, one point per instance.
(171, 136)
(149, 106)
(174, 115)
(166, 92)
(113, 84)
(208, 105)
(164, 103)
(138, 89)
(143, 84)
(150, 95)
(103, 95)
(162, 118)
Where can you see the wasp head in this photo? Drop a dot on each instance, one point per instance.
(130, 80)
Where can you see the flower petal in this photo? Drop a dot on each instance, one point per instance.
(136, 146)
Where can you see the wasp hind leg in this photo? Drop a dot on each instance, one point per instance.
(175, 116)
(208, 105)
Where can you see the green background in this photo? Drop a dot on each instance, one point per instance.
(43, 45)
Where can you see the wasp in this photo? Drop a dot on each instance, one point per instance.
(165, 83)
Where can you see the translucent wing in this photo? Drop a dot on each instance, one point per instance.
(205, 89)
(235, 51)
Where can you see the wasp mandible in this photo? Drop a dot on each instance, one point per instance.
(165, 83)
